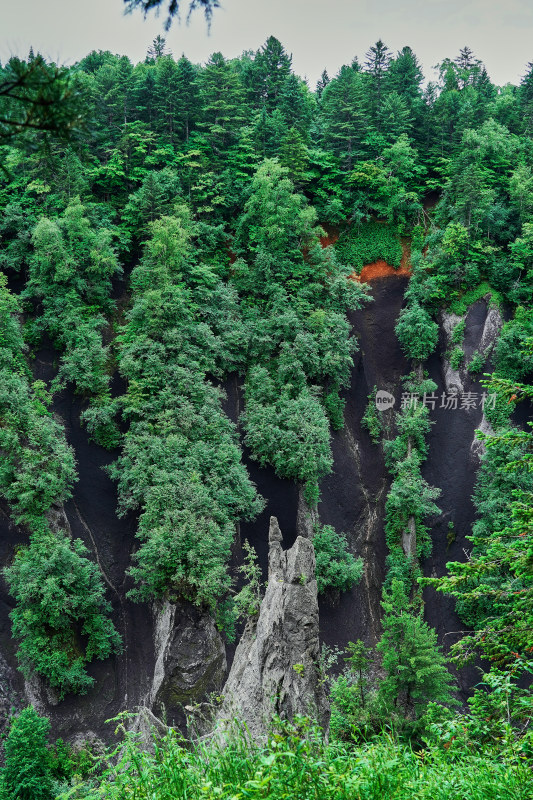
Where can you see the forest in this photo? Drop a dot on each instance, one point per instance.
(168, 228)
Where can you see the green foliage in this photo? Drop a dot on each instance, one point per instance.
(500, 713)
(416, 332)
(369, 242)
(296, 762)
(237, 283)
(38, 466)
(248, 601)
(456, 357)
(61, 616)
(27, 772)
(294, 296)
(336, 567)
(358, 658)
(181, 463)
(415, 668)
(512, 360)
(411, 499)
(458, 332)
(70, 277)
(461, 305)
(371, 419)
(291, 433)
(476, 363)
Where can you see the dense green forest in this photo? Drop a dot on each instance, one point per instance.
(166, 223)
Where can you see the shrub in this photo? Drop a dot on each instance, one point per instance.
(372, 241)
(27, 774)
(371, 420)
(456, 357)
(336, 567)
(61, 616)
(458, 332)
(476, 363)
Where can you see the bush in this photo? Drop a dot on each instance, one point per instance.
(372, 241)
(27, 774)
(458, 332)
(371, 420)
(336, 567)
(456, 357)
(61, 616)
(417, 332)
(476, 363)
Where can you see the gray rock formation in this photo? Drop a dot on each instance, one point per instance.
(275, 669)
(452, 377)
(190, 660)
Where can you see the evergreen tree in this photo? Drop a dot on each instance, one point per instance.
(526, 99)
(272, 67)
(27, 774)
(296, 103)
(294, 156)
(376, 65)
(415, 668)
(157, 49)
(343, 110)
(223, 98)
(322, 83)
(188, 105)
(166, 95)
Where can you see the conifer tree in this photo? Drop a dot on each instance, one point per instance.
(223, 98)
(272, 67)
(376, 65)
(344, 116)
(322, 83)
(294, 156)
(415, 667)
(188, 103)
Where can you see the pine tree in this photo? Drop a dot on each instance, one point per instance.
(376, 65)
(415, 667)
(223, 103)
(157, 49)
(272, 67)
(322, 83)
(188, 104)
(294, 156)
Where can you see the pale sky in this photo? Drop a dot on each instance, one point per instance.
(318, 34)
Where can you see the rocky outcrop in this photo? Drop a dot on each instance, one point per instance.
(452, 377)
(275, 670)
(190, 660)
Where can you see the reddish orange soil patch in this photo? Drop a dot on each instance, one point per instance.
(379, 269)
(332, 235)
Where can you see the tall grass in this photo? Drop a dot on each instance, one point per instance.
(297, 764)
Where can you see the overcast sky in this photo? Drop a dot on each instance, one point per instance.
(318, 34)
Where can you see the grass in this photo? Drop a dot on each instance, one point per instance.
(367, 243)
(297, 764)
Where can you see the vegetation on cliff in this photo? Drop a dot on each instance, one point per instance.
(175, 242)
